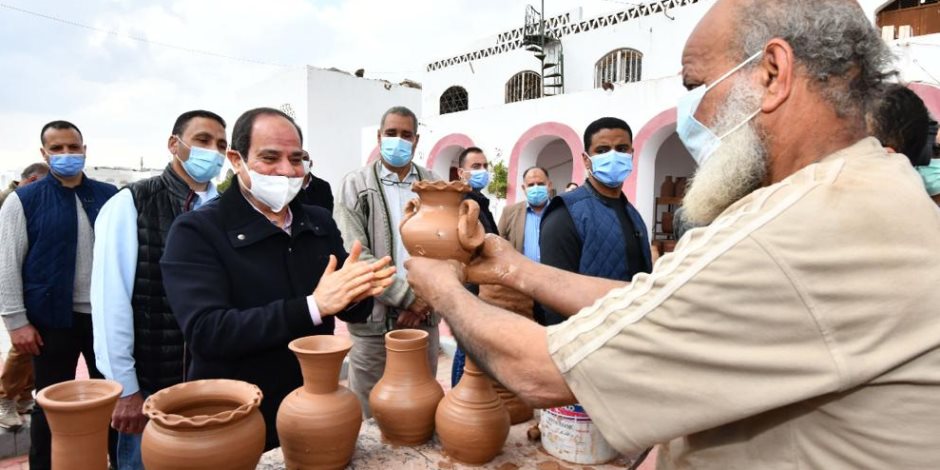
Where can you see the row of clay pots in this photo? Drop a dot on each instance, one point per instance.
(673, 188)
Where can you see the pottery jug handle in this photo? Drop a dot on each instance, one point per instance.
(469, 229)
(411, 208)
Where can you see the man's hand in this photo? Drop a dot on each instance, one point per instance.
(128, 416)
(497, 262)
(419, 306)
(26, 339)
(355, 281)
(410, 319)
(432, 278)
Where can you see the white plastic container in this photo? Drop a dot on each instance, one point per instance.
(569, 434)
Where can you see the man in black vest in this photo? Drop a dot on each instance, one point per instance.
(45, 269)
(137, 340)
(594, 230)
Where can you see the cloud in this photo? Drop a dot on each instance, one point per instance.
(125, 93)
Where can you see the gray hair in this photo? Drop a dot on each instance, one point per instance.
(401, 111)
(35, 169)
(838, 46)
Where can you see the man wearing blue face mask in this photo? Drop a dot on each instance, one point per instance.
(594, 230)
(137, 340)
(46, 254)
(520, 222)
(369, 208)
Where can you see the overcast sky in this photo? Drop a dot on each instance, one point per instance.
(124, 94)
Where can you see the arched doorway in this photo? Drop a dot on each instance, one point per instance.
(551, 145)
(443, 157)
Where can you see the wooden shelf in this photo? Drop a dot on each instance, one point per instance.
(664, 201)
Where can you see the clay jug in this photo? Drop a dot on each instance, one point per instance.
(440, 223)
(405, 398)
(79, 414)
(204, 424)
(318, 423)
(514, 301)
(667, 224)
(472, 423)
(668, 188)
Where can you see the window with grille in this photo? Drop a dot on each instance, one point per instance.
(524, 86)
(619, 66)
(454, 99)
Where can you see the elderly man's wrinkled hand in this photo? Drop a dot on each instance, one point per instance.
(496, 262)
(430, 277)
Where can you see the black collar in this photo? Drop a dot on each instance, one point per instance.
(245, 226)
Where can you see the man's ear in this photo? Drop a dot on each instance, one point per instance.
(776, 74)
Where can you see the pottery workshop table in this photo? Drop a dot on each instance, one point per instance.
(518, 454)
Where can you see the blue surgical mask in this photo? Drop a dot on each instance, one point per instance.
(931, 176)
(479, 179)
(612, 168)
(203, 164)
(396, 151)
(67, 164)
(700, 141)
(536, 195)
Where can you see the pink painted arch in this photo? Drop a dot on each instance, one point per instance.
(450, 140)
(545, 129)
(662, 120)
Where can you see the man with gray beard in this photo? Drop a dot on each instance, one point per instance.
(798, 329)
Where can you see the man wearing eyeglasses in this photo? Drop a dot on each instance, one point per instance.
(369, 209)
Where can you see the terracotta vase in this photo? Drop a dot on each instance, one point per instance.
(471, 421)
(668, 188)
(79, 413)
(514, 301)
(405, 398)
(204, 424)
(440, 223)
(667, 224)
(681, 184)
(318, 423)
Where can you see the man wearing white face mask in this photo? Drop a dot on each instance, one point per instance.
(137, 340)
(255, 269)
(47, 233)
(799, 328)
(369, 209)
(594, 230)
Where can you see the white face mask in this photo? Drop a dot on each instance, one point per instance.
(273, 191)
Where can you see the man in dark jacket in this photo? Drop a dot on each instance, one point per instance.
(256, 268)
(315, 191)
(137, 340)
(594, 230)
(47, 233)
(473, 168)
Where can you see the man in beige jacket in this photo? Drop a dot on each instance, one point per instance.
(798, 329)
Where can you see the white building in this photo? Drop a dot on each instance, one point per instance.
(331, 106)
(120, 176)
(624, 64)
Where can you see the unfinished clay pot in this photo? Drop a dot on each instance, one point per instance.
(440, 223)
(519, 412)
(204, 424)
(319, 422)
(405, 398)
(79, 413)
(471, 421)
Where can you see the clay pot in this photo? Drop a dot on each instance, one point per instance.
(205, 424)
(440, 223)
(514, 301)
(79, 414)
(681, 184)
(405, 398)
(319, 422)
(669, 246)
(667, 225)
(471, 421)
(668, 188)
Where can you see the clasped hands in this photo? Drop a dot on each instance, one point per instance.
(354, 282)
